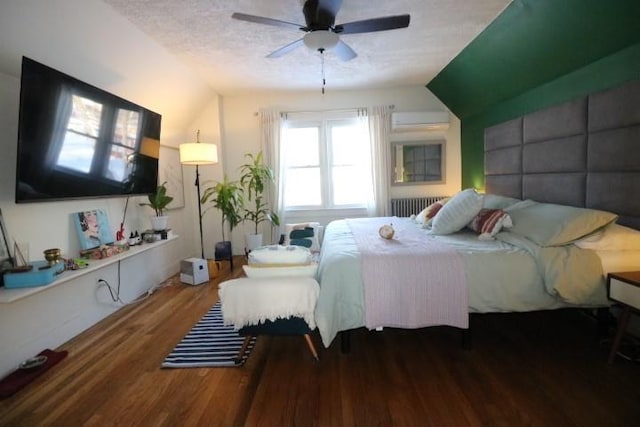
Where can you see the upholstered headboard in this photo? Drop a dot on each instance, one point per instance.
(584, 153)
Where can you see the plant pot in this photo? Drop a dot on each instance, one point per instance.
(223, 252)
(253, 241)
(159, 223)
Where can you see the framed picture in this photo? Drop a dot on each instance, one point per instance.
(170, 170)
(93, 228)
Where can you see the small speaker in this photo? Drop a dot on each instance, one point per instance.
(194, 271)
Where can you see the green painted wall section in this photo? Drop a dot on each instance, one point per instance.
(533, 42)
(607, 72)
(537, 53)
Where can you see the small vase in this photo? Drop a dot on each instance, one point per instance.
(159, 223)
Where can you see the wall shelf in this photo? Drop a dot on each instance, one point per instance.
(15, 294)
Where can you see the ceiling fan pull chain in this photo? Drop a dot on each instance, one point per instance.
(324, 82)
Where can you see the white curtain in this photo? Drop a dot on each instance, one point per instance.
(270, 126)
(379, 129)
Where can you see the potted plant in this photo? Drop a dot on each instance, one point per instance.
(158, 201)
(255, 179)
(226, 196)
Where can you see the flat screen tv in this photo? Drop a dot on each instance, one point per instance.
(77, 141)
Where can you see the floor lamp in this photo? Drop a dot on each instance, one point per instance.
(198, 154)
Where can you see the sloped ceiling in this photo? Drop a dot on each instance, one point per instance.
(533, 42)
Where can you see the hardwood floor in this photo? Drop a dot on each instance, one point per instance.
(540, 369)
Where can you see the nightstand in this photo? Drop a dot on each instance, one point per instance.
(623, 288)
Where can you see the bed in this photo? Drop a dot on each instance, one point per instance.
(564, 175)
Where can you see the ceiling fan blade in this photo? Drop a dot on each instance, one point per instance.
(285, 49)
(320, 14)
(330, 6)
(267, 21)
(343, 51)
(375, 24)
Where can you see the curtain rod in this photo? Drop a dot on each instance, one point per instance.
(391, 106)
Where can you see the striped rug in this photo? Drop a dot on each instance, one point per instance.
(208, 344)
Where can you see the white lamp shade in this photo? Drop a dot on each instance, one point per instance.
(198, 153)
(320, 39)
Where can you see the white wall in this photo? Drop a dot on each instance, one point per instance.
(240, 130)
(88, 40)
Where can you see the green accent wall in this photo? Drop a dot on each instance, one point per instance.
(537, 53)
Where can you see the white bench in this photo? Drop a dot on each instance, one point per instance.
(270, 306)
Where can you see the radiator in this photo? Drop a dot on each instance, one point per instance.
(411, 206)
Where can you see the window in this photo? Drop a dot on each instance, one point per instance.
(326, 161)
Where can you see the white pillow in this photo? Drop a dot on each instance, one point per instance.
(457, 212)
(614, 237)
(280, 255)
(494, 201)
(294, 271)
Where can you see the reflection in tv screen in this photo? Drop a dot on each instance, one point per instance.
(78, 141)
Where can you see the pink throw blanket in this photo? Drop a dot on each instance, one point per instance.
(410, 281)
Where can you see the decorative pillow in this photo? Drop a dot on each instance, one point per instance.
(548, 224)
(489, 222)
(613, 237)
(457, 212)
(303, 234)
(425, 217)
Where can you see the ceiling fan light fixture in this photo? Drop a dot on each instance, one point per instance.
(321, 39)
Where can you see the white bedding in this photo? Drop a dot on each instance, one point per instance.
(501, 278)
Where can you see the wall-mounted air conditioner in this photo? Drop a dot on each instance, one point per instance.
(419, 121)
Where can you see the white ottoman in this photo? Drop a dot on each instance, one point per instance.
(270, 306)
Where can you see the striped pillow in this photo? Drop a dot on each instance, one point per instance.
(489, 222)
(457, 212)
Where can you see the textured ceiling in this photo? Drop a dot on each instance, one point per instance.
(230, 54)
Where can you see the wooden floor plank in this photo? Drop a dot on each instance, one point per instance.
(542, 369)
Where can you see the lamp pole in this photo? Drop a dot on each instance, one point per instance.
(199, 212)
(196, 154)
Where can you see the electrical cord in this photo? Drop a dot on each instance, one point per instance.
(115, 293)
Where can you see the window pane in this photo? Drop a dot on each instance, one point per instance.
(350, 185)
(118, 163)
(347, 144)
(126, 128)
(85, 116)
(77, 152)
(303, 187)
(301, 146)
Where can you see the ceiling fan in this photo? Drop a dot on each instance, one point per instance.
(321, 31)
